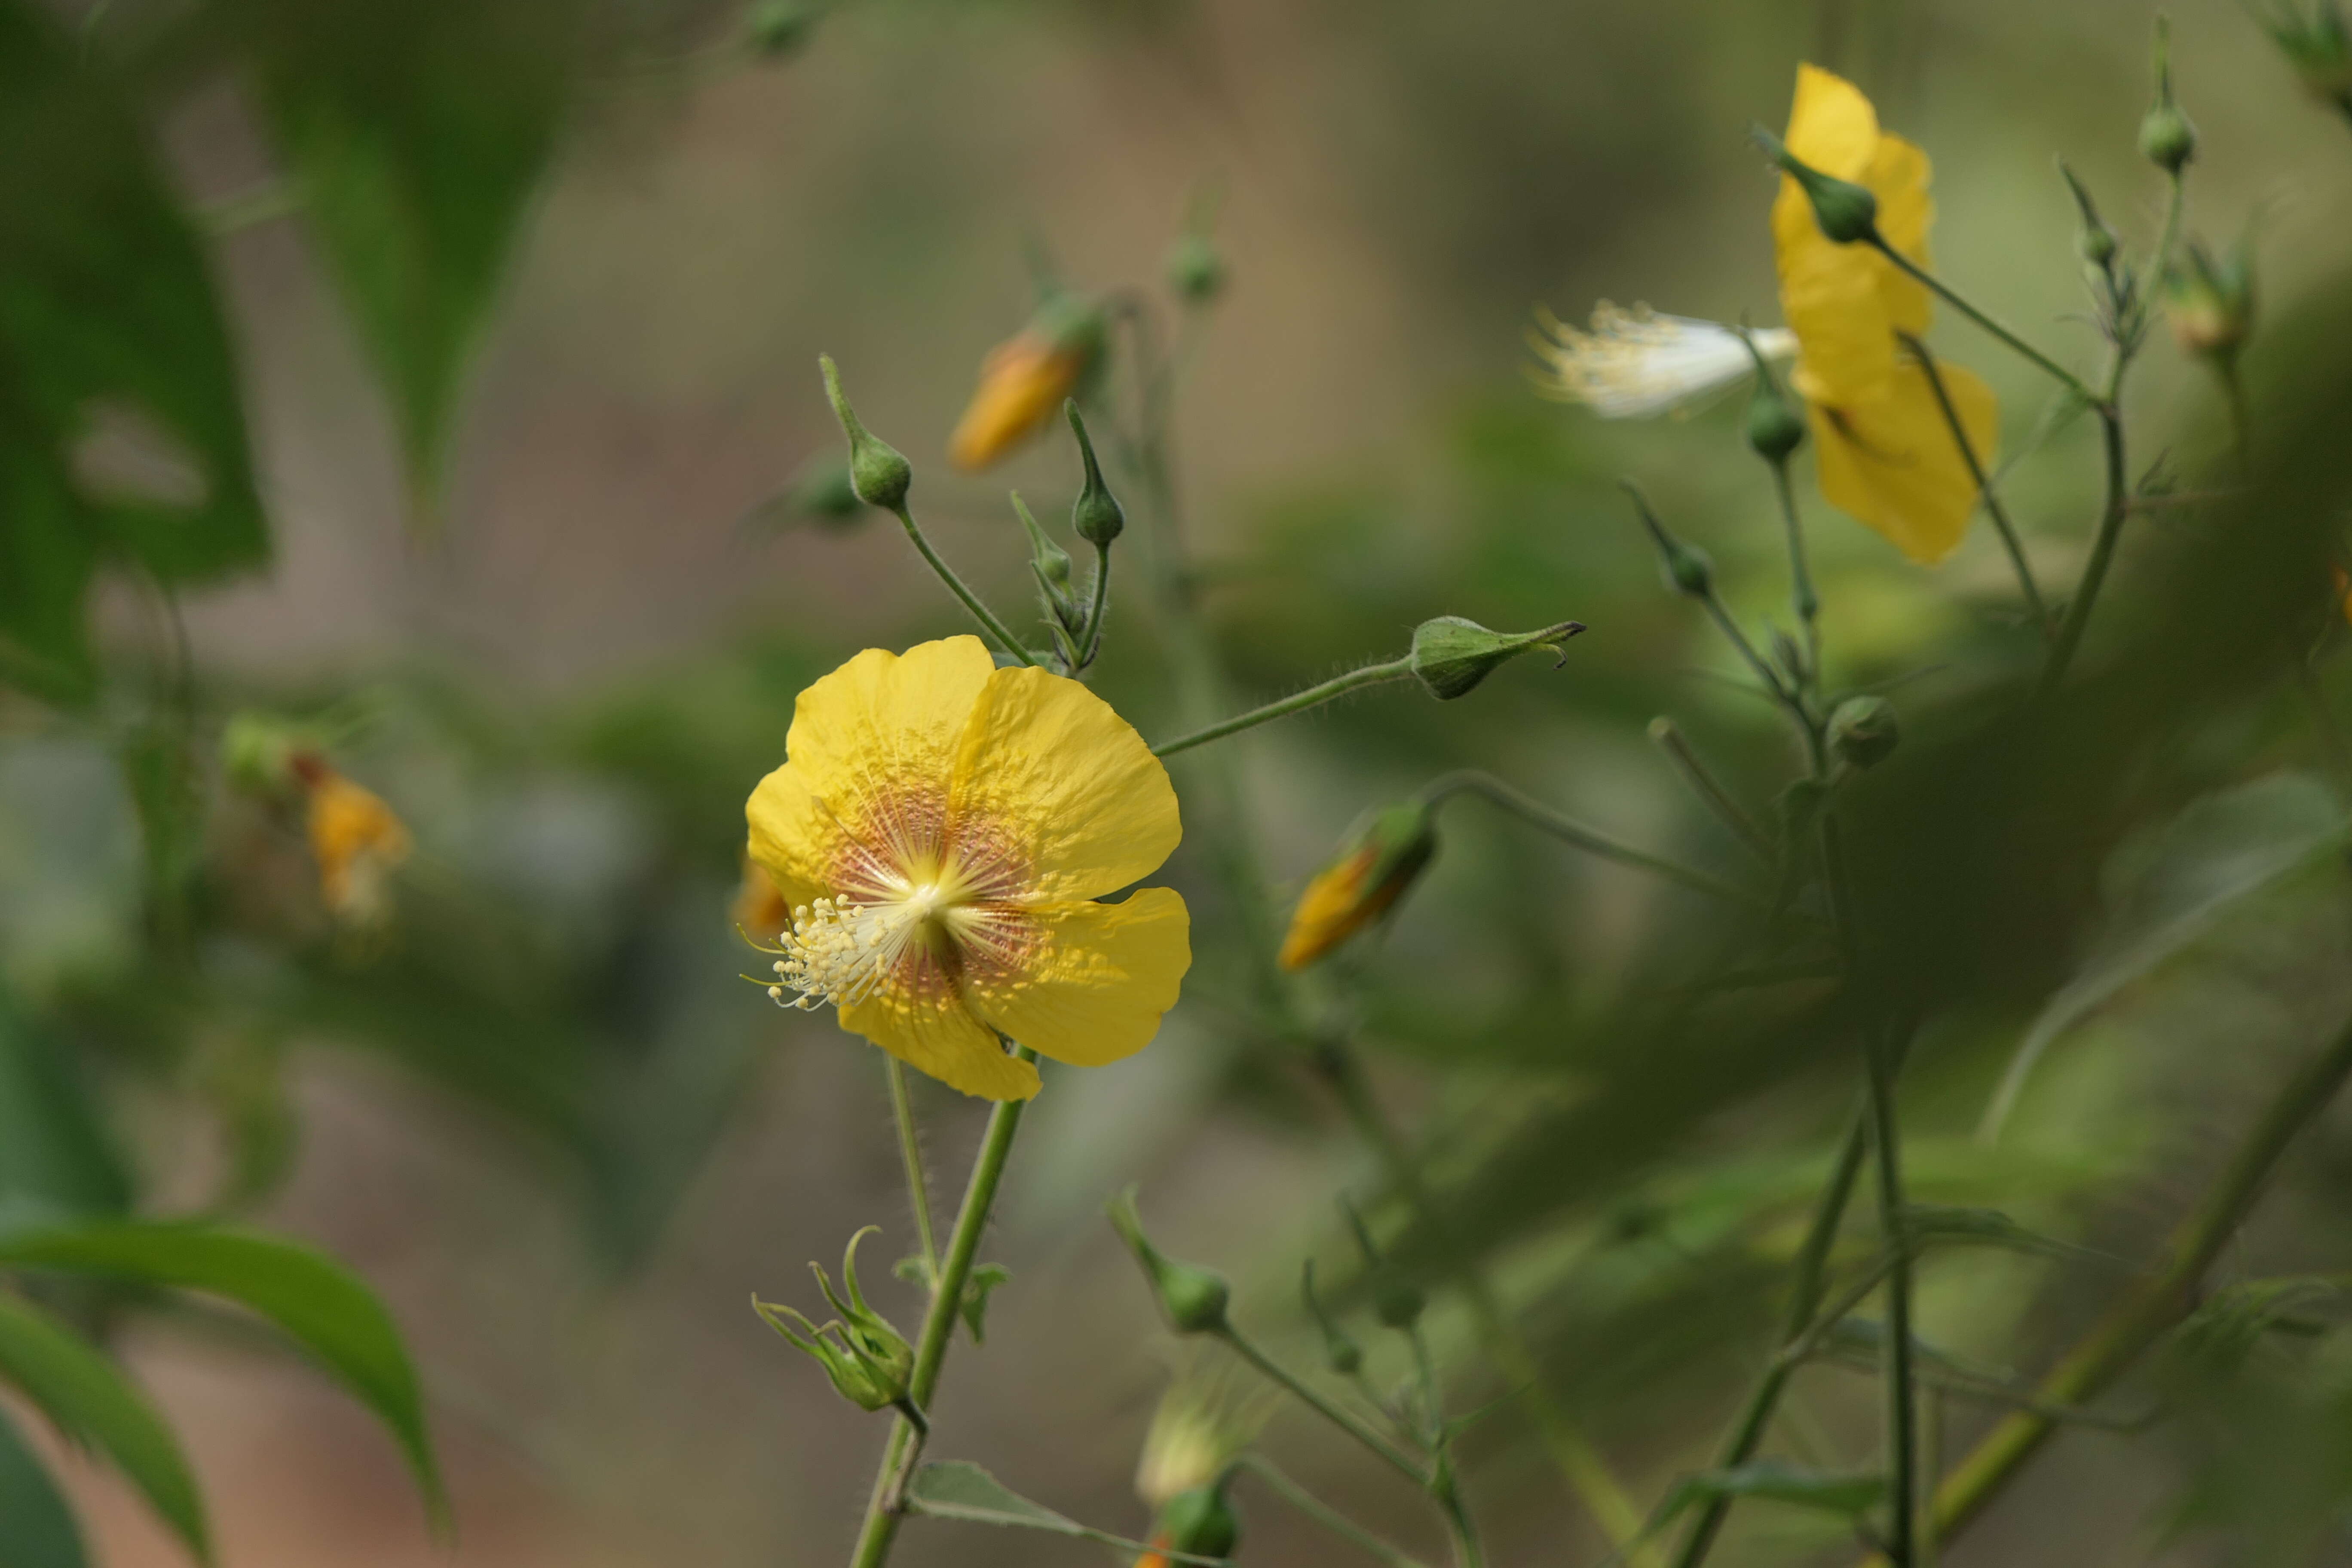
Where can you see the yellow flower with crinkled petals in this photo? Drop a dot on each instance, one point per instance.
(943, 829)
(1886, 454)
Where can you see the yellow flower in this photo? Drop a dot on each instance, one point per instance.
(941, 828)
(357, 840)
(1022, 382)
(1379, 860)
(1887, 456)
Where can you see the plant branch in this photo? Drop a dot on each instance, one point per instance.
(1338, 1415)
(1544, 819)
(1322, 1513)
(910, 1151)
(1297, 702)
(947, 573)
(2067, 378)
(1985, 491)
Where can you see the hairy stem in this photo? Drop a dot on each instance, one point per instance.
(947, 573)
(1297, 702)
(884, 1508)
(910, 1151)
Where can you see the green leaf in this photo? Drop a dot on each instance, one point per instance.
(1930, 1224)
(68, 1381)
(40, 1532)
(2166, 894)
(417, 134)
(1776, 1480)
(960, 1489)
(107, 317)
(317, 1301)
(55, 1154)
(974, 1305)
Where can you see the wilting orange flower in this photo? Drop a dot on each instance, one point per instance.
(357, 840)
(1022, 382)
(1371, 871)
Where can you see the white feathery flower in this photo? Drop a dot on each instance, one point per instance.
(1634, 363)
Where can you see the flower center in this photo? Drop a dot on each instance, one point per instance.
(839, 952)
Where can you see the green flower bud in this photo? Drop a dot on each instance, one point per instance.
(879, 472)
(1201, 1523)
(1451, 656)
(1193, 1298)
(1776, 426)
(2167, 138)
(1195, 270)
(824, 492)
(2094, 241)
(869, 1362)
(1847, 213)
(258, 752)
(1688, 571)
(1344, 1355)
(1051, 565)
(775, 29)
(2210, 301)
(1096, 514)
(2319, 47)
(1863, 732)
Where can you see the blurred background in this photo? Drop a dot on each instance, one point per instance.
(543, 1116)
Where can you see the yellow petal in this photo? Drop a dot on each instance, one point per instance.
(1894, 465)
(937, 1035)
(1831, 298)
(1095, 989)
(1050, 772)
(1899, 177)
(1831, 126)
(1022, 382)
(868, 759)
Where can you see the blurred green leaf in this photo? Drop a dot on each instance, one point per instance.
(417, 136)
(73, 1385)
(107, 315)
(320, 1304)
(960, 1489)
(40, 1530)
(55, 1154)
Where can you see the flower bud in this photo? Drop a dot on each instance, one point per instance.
(2167, 138)
(1344, 1355)
(879, 473)
(357, 840)
(869, 1361)
(1026, 377)
(2210, 301)
(1096, 514)
(1193, 1298)
(1200, 1522)
(775, 29)
(1863, 732)
(1776, 427)
(1051, 565)
(1688, 571)
(1847, 213)
(1382, 857)
(1202, 1424)
(257, 752)
(1451, 656)
(1196, 271)
(2319, 47)
(2094, 241)
(825, 492)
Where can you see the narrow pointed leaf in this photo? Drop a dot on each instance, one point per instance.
(960, 1489)
(37, 1527)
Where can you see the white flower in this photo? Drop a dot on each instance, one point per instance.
(1636, 363)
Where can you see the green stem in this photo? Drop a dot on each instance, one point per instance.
(885, 1507)
(1985, 491)
(980, 612)
(2073, 383)
(2153, 1306)
(1297, 702)
(1802, 594)
(1537, 814)
(2176, 203)
(2103, 549)
(1098, 612)
(1339, 1415)
(1747, 1431)
(1322, 1513)
(910, 1150)
(1710, 790)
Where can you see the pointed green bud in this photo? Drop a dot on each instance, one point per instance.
(1201, 1523)
(2167, 138)
(1863, 732)
(1688, 571)
(2210, 299)
(1776, 426)
(877, 471)
(1051, 564)
(1343, 1355)
(2318, 45)
(1193, 1298)
(1847, 213)
(869, 1361)
(1196, 271)
(2094, 241)
(1096, 514)
(1451, 655)
(775, 29)
(258, 752)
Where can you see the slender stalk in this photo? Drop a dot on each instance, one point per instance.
(1297, 702)
(2176, 203)
(1543, 819)
(1709, 789)
(2073, 383)
(2155, 1305)
(1803, 597)
(947, 573)
(1747, 1431)
(885, 1507)
(1098, 612)
(1339, 1415)
(1985, 491)
(1322, 1513)
(2102, 550)
(910, 1150)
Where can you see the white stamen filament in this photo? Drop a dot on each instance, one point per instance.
(1637, 363)
(838, 952)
